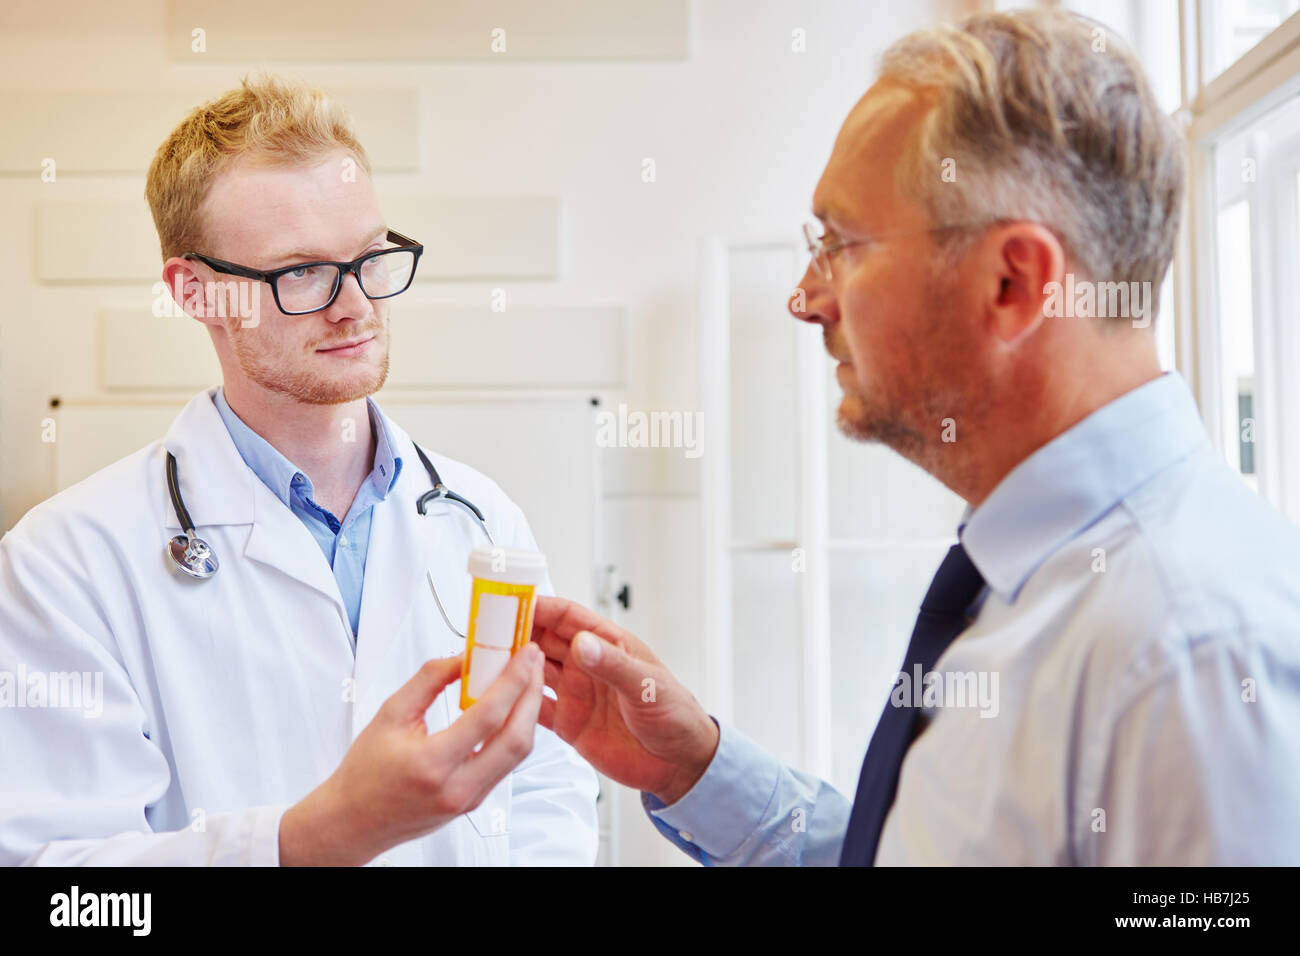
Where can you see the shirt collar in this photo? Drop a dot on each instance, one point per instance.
(278, 472)
(1072, 481)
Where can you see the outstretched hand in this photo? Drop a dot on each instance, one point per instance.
(617, 704)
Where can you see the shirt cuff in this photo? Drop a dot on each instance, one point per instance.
(727, 803)
(264, 847)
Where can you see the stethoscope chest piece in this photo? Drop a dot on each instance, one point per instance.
(195, 558)
(188, 551)
(192, 556)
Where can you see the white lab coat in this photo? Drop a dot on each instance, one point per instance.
(225, 701)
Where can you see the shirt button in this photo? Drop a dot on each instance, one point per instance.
(385, 861)
(343, 540)
(685, 835)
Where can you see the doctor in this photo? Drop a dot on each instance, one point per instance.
(300, 705)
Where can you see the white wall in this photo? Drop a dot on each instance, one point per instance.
(738, 131)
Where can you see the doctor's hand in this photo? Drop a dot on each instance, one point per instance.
(617, 705)
(398, 782)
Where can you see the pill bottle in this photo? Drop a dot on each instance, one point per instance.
(500, 613)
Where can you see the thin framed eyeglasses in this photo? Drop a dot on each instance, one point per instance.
(313, 286)
(821, 251)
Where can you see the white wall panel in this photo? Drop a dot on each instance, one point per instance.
(480, 237)
(633, 472)
(141, 351)
(439, 30)
(525, 346)
(118, 131)
(92, 241)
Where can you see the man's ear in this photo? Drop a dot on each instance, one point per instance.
(1026, 258)
(187, 290)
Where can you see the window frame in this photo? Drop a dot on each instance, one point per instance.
(1244, 94)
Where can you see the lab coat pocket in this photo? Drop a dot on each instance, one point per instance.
(491, 818)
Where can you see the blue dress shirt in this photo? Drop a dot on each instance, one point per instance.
(1140, 631)
(344, 543)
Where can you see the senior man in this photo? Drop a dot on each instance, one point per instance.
(1140, 605)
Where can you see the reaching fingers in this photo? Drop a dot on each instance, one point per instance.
(605, 661)
(564, 618)
(556, 649)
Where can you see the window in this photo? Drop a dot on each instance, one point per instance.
(1231, 28)
(1237, 338)
(1240, 257)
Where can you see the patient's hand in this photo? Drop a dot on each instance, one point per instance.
(624, 713)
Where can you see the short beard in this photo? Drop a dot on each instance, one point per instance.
(305, 387)
(884, 425)
(913, 430)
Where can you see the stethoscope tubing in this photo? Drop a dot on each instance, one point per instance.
(200, 561)
(178, 504)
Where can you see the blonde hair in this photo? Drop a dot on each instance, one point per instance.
(1044, 115)
(267, 120)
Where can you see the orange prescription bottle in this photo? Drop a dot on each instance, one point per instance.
(500, 613)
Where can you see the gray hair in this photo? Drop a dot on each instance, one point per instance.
(1044, 115)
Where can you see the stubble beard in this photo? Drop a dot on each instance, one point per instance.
(912, 425)
(876, 420)
(307, 386)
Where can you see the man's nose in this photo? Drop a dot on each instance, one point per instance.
(804, 300)
(351, 302)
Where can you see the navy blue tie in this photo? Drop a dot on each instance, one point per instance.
(943, 616)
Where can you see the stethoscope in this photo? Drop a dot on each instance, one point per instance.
(194, 557)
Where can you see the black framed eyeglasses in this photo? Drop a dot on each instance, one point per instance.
(313, 286)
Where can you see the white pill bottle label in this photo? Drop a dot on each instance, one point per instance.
(500, 613)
